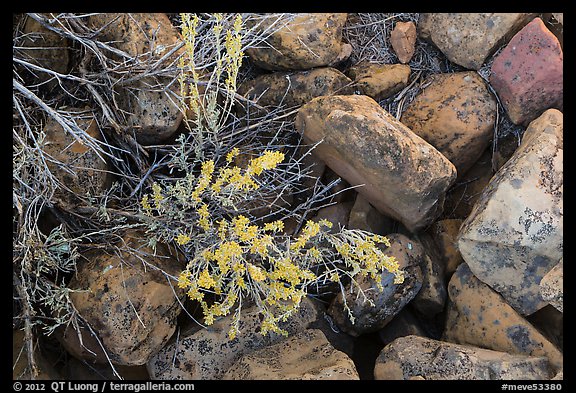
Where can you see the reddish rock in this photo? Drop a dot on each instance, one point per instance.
(528, 73)
(455, 113)
(403, 39)
(469, 38)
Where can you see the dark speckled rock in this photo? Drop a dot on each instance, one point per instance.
(514, 234)
(305, 356)
(390, 301)
(413, 356)
(208, 353)
(479, 316)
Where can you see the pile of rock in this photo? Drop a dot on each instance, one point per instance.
(475, 276)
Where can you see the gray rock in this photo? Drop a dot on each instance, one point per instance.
(431, 298)
(305, 356)
(552, 286)
(514, 234)
(414, 356)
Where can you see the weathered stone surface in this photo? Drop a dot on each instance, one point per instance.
(300, 41)
(364, 216)
(445, 232)
(45, 48)
(152, 113)
(479, 316)
(431, 298)
(379, 81)
(528, 73)
(292, 89)
(389, 301)
(338, 214)
(403, 40)
(403, 324)
(462, 196)
(402, 175)
(128, 302)
(208, 353)
(468, 39)
(305, 356)
(414, 356)
(514, 235)
(552, 286)
(455, 113)
(81, 171)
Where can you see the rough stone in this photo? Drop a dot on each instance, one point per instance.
(293, 89)
(364, 216)
(528, 74)
(552, 286)
(403, 40)
(514, 234)
(128, 301)
(379, 81)
(445, 234)
(45, 48)
(153, 114)
(208, 353)
(463, 195)
(414, 356)
(405, 323)
(305, 356)
(403, 176)
(477, 315)
(389, 301)
(431, 298)
(455, 113)
(81, 171)
(301, 42)
(468, 39)
(338, 214)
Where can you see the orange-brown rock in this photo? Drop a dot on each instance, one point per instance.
(401, 175)
(379, 81)
(455, 113)
(300, 41)
(403, 40)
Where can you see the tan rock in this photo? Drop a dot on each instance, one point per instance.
(479, 316)
(468, 39)
(128, 300)
(81, 172)
(412, 356)
(152, 113)
(305, 356)
(293, 89)
(386, 303)
(403, 176)
(380, 81)
(403, 324)
(209, 353)
(445, 232)
(455, 113)
(300, 41)
(552, 286)
(514, 235)
(403, 40)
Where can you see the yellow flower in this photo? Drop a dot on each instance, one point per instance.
(184, 279)
(146, 204)
(182, 239)
(268, 160)
(204, 216)
(275, 226)
(233, 153)
(205, 280)
(256, 273)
